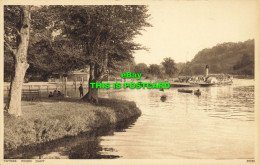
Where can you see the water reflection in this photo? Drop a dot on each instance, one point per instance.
(84, 146)
(187, 126)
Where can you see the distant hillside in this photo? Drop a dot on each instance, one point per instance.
(232, 58)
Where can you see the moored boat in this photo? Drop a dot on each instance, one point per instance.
(185, 90)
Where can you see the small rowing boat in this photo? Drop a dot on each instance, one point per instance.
(185, 90)
(163, 98)
(197, 92)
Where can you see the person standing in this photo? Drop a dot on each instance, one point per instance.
(81, 90)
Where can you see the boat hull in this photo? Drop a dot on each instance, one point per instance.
(206, 84)
(175, 85)
(185, 91)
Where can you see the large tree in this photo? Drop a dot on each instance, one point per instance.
(155, 70)
(16, 41)
(169, 66)
(66, 38)
(42, 53)
(51, 52)
(106, 34)
(141, 68)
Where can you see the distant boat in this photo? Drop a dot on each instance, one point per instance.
(163, 98)
(185, 90)
(197, 92)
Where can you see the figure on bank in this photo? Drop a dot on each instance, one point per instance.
(55, 93)
(60, 94)
(51, 94)
(81, 90)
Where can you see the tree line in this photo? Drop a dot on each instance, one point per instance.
(167, 69)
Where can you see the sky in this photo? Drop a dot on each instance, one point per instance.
(182, 28)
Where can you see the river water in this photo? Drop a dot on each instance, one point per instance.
(219, 124)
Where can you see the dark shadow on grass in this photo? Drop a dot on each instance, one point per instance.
(106, 102)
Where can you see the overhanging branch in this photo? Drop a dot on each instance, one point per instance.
(10, 48)
(17, 31)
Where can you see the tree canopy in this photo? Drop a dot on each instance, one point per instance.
(155, 70)
(169, 66)
(65, 38)
(141, 68)
(105, 33)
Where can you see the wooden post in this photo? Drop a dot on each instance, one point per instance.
(75, 83)
(107, 75)
(65, 86)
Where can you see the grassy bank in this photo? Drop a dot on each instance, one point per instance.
(45, 120)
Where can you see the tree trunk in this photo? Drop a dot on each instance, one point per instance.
(96, 74)
(21, 64)
(92, 95)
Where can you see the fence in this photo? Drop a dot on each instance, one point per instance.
(67, 90)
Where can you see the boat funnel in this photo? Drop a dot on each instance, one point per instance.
(207, 70)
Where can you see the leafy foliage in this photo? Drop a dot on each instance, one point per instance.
(105, 32)
(184, 69)
(232, 58)
(245, 66)
(11, 30)
(155, 70)
(141, 68)
(169, 66)
(65, 38)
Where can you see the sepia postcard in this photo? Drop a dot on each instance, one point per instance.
(130, 82)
